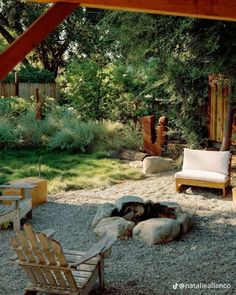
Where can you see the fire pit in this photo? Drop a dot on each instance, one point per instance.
(155, 223)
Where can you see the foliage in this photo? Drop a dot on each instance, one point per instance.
(77, 35)
(29, 137)
(7, 134)
(187, 50)
(5, 225)
(115, 91)
(3, 43)
(61, 129)
(12, 106)
(65, 171)
(30, 74)
(126, 65)
(83, 87)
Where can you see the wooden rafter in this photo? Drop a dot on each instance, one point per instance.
(212, 9)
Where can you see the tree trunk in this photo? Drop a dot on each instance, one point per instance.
(225, 146)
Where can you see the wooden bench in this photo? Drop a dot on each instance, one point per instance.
(39, 192)
(205, 168)
(19, 207)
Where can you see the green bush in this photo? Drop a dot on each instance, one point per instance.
(75, 134)
(8, 137)
(61, 129)
(29, 131)
(12, 106)
(29, 74)
(116, 136)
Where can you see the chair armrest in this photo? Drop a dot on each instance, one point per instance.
(10, 198)
(49, 232)
(98, 249)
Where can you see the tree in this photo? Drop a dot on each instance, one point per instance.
(76, 35)
(188, 51)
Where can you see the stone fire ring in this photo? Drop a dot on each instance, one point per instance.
(153, 231)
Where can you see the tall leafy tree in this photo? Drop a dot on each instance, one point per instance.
(188, 51)
(76, 35)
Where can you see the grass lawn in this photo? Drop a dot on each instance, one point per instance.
(65, 171)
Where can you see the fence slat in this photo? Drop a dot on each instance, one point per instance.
(26, 90)
(7, 89)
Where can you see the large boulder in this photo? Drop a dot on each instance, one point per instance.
(129, 207)
(157, 230)
(127, 199)
(104, 211)
(155, 164)
(173, 205)
(116, 226)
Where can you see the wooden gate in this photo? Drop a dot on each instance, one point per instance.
(217, 107)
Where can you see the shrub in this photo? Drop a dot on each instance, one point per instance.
(117, 136)
(29, 74)
(61, 129)
(75, 134)
(12, 106)
(30, 131)
(8, 137)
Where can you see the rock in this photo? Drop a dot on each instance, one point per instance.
(136, 164)
(116, 226)
(126, 199)
(156, 164)
(189, 191)
(104, 210)
(174, 205)
(157, 230)
(185, 222)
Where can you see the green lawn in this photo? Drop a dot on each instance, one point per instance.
(65, 171)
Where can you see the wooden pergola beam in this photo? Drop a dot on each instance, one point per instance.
(34, 35)
(211, 9)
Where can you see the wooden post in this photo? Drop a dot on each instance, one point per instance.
(16, 84)
(39, 104)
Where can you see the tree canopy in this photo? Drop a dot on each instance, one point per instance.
(122, 65)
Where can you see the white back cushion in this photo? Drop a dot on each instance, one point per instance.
(213, 161)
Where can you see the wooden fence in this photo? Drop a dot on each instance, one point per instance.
(217, 109)
(26, 90)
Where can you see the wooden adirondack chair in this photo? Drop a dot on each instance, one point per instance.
(56, 271)
(19, 207)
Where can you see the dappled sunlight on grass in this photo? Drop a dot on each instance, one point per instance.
(66, 171)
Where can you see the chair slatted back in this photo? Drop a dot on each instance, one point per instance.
(43, 260)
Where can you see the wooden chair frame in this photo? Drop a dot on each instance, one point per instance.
(56, 271)
(19, 207)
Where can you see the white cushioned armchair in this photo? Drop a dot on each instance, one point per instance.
(205, 168)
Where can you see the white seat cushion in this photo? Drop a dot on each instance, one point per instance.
(214, 161)
(202, 175)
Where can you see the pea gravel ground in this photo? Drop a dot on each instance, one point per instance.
(207, 255)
